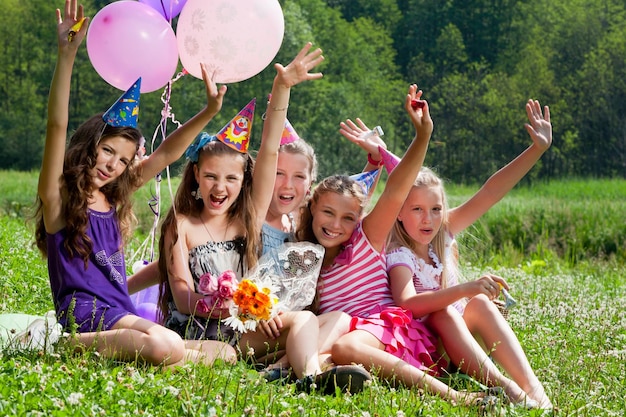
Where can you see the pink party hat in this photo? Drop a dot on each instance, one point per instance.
(389, 160)
(236, 133)
(289, 134)
(366, 179)
(125, 111)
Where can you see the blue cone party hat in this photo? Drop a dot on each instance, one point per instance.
(366, 179)
(236, 133)
(125, 111)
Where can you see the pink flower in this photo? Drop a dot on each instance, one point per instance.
(208, 284)
(227, 284)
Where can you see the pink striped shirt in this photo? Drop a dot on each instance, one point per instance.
(357, 282)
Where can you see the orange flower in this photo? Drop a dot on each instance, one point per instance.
(252, 304)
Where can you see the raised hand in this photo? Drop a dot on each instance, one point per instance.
(420, 115)
(69, 29)
(214, 95)
(539, 127)
(356, 133)
(298, 69)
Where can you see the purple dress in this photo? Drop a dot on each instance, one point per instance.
(96, 297)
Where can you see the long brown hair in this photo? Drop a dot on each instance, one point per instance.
(185, 203)
(77, 183)
(339, 184)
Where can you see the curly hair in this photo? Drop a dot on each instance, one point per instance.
(78, 183)
(185, 203)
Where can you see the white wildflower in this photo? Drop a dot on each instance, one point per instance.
(75, 397)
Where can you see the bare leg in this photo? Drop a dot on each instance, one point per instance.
(485, 321)
(134, 338)
(208, 351)
(333, 325)
(465, 352)
(362, 347)
(299, 337)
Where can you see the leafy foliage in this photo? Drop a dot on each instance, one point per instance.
(477, 62)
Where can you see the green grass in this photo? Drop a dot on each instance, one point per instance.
(570, 318)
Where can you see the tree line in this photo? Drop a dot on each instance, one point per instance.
(477, 62)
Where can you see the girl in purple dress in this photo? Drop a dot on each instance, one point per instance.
(84, 215)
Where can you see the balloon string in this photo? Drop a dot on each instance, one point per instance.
(167, 113)
(165, 12)
(155, 201)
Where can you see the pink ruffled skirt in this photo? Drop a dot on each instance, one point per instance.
(404, 337)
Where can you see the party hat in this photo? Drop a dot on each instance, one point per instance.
(389, 160)
(125, 111)
(289, 134)
(366, 179)
(236, 133)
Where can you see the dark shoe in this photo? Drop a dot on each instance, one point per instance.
(348, 378)
(281, 375)
(305, 384)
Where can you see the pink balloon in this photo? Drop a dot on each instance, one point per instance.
(169, 9)
(128, 40)
(236, 39)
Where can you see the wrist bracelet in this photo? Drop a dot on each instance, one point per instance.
(279, 109)
(372, 161)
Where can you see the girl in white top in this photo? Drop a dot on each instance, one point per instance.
(422, 268)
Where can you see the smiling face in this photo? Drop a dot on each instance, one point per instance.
(422, 214)
(220, 178)
(334, 218)
(293, 181)
(113, 155)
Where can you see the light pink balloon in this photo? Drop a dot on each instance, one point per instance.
(128, 40)
(169, 9)
(236, 39)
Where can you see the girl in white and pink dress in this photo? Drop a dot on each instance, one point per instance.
(354, 278)
(422, 266)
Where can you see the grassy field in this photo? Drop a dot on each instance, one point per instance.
(560, 245)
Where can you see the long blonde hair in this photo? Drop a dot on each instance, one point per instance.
(399, 236)
(300, 147)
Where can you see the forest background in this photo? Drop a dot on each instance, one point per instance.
(477, 62)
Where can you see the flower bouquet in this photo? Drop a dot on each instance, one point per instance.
(285, 279)
(253, 301)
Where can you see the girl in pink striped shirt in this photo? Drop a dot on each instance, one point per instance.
(354, 278)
